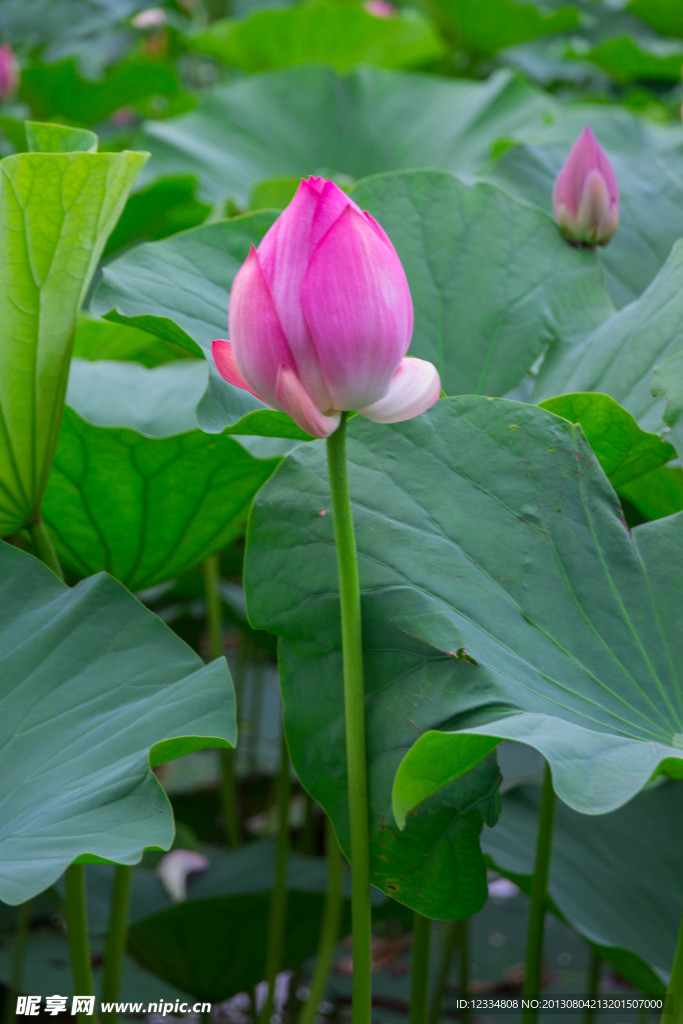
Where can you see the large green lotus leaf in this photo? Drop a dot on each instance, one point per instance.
(163, 208)
(507, 23)
(341, 35)
(59, 138)
(59, 90)
(136, 488)
(657, 494)
(669, 382)
(178, 288)
(493, 546)
(309, 120)
(595, 863)
(620, 357)
(94, 689)
(61, 23)
(189, 946)
(651, 196)
(624, 451)
(666, 16)
(627, 59)
(484, 311)
(56, 211)
(100, 339)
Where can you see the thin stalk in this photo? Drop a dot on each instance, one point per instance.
(277, 920)
(419, 980)
(450, 934)
(16, 975)
(674, 992)
(329, 929)
(594, 967)
(354, 711)
(77, 929)
(44, 548)
(539, 893)
(214, 621)
(465, 966)
(117, 935)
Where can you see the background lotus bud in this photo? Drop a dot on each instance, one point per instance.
(9, 72)
(380, 8)
(321, 318)
(586, 194)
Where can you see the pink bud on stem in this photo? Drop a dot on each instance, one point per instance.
(321, 318)
(586, 194)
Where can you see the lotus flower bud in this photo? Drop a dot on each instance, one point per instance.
(380, 8)
(9, 72)
(321, 317)
(586, 194)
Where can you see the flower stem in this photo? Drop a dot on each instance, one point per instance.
(214, 621)
(21, 931)
(674, 992)
(77, 928)
(594, 968)
(277, 919)
(44, 548)
(354, 710)
(329, 929)
(449, 938)
(539, 893)
(419, 981)
(117, 934)
(464, 934)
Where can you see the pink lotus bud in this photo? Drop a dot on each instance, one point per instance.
(380, 8)
(321, 318)
(9, 72)
(586, 194)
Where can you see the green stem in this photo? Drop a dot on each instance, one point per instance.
(594, 967)
(465, 966)
(16, 975)
(117, 935)
(450, 934)
(674, 992)
(419, 981)
(329, 929)
(214, 621)
(44, 548)
(277, 919)
(539, 893)
(354, 710)
(77, 928)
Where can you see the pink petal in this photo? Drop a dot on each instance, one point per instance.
(584, 156)
(224, 358)
(357, 305)
(283, 255)
(595, 209)
(295, 400)
(332, 202)
(174, 869)
(258, 342)
(414, 388)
